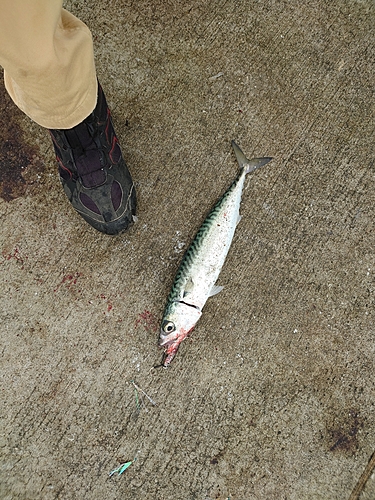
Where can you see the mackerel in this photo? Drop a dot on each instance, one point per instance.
(201, 265)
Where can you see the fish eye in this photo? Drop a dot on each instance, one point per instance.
(169, 327)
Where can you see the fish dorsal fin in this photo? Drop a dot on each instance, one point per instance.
(215, 289)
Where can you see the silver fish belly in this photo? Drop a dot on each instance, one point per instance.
(201, 265)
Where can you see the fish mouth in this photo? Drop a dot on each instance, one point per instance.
(171, 343)
(167, 340)
(170, 353)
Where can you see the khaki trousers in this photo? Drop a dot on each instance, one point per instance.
(48, 60)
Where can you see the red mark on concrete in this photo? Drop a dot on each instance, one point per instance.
(148, 321)
(69, 280)
(16, 255)
(108, 300)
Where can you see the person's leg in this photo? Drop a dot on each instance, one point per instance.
(48, 61)
(49, 71)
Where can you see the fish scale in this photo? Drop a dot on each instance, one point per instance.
(201, 265)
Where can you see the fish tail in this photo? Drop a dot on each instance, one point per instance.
(248, 165)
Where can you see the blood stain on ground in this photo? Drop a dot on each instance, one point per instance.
(17, 158)
(68, 281)
(148, 321)
(344, 434)
(17, 255)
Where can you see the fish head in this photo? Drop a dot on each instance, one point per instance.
(178, 321)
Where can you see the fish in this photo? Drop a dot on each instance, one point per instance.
(202, 262)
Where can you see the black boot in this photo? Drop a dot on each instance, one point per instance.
(93, 172)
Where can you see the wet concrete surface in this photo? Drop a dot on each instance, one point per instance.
(272, 397)
(19, 162)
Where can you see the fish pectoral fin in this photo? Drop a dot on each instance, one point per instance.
(215, 290)
(239, 219)
(188, 287)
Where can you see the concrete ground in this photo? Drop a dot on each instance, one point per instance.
(273, 395)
